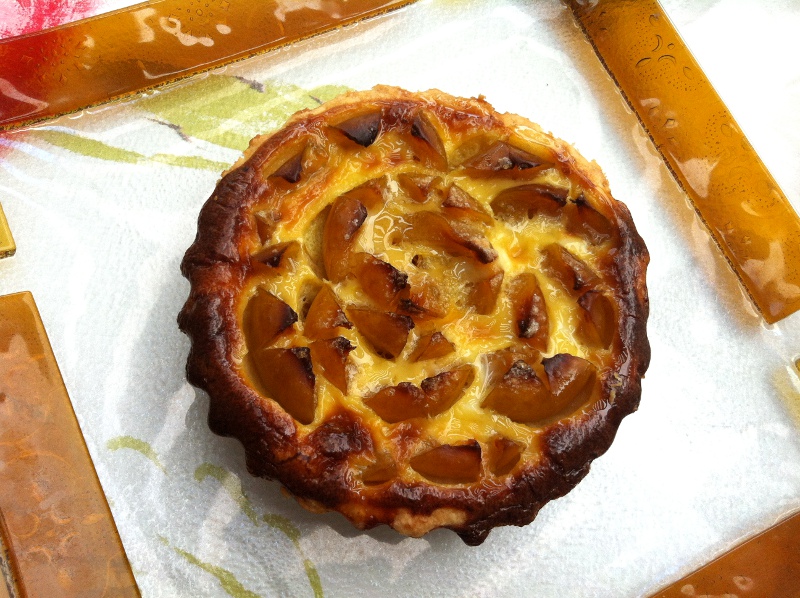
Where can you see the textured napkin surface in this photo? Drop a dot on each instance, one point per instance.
(104, 204)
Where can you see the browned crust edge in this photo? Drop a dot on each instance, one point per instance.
(316, 471)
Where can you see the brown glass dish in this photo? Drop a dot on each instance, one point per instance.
(417, 312)
(55, 524)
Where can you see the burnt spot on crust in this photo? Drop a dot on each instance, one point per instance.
(350, 306)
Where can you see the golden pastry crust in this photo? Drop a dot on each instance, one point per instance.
(417, 312)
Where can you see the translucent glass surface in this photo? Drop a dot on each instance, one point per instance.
(104, 203)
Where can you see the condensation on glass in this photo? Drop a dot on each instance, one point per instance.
(59, 536)
(746, 212)
(110, 56)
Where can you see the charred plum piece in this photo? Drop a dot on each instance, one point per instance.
(433, 229)
(521, 396)
(418, 186)
(276, 256)
(571, 379)
(379, 280)
(431, 346)
(597, 324)
(450, 464)
(338, 237)
(330, 356)
(434, 396)
(265, 317)
(288, 378)
(529, 310)
(463, 205)
(483, 293)
(584, 221)
(503, 455)
(526, 201)
(324, 316)
(291, 170)
(386, 332)
(363, 129)
(570, 271)
(503, 157)
(499, 362)
(421, 128)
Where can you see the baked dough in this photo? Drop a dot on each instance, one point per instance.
(417, 312)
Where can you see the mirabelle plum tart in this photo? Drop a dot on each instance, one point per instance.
(417, 312)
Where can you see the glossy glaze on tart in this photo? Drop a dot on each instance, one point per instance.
(417, 312)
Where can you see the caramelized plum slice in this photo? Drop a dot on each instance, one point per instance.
(570, 271)
(450, 464)
(330, 357)
(369, 193)
(431, 346)
(521, 396)
(288, 378)
(397, 403)
(277, 256)
(443, 390)
(386, 332)
(584, 221)
(379, 280)
(597, 324)
(324, 316)
(432, 397)
(529, 310)
(499, 362)
(423, 299)
(461, 204)
(526, 201)
(383, 470)
(338, 237)
(265, 317)
(265, 225)
(291, 170)
(571, 379)
(418, 187)
(483, 293)
(421, 128)
(503, 455)
(433, 229)
(363, 129)
(502, 156)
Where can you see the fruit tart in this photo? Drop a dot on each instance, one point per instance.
(417, 312)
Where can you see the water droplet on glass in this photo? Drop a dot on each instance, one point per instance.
(658, 43)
